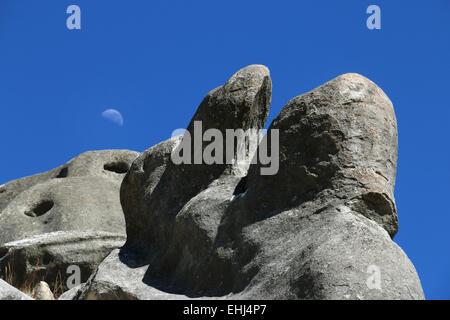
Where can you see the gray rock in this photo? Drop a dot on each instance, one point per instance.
(338, 144)
(80, 195)
(320, 228)
(42, 291)
(70, 204)
(106, 163)
(112, 164)
(48, 257)
(139, 183)
(336, 254)
(72, 294)
(152, 195)
(8, 292)
(119, 277)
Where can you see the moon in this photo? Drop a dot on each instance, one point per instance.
(114, 116)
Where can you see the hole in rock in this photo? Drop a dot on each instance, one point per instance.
(63, 173)
(42, 208)
(117, 167)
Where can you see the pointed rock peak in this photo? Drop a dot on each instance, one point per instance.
(248, 77)
(346, 134)
(354, 87)
(242, 102)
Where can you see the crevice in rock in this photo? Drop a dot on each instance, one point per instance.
(241, 187)
(63, 173)
(42, 208)
(117, 167)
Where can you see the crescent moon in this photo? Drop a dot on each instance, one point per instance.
(114, 116)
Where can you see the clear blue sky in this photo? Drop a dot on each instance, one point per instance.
(155, 60)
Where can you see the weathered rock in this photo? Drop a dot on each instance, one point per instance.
(120, 277)
(111, 164)
(315, 230)
(48, 257)
(320, 228)
(105, 163)
(8, 292)
(73, 293)
(338, 144)
(337, 254)
(139, 184)
(151, 205)
(80, 195)
(42, 291)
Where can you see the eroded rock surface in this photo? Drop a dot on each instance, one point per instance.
(8, 292)
(72, 294)
(318, 229)
(81, 195)
(49, 256)
(69, 216)
(42, 291)
(321, 227)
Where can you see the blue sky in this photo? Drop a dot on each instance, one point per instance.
(155, 60)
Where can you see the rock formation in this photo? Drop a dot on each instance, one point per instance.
(49, 256)
(8, 292)
(42, 291)
(81, 195)
(320, 228)
(67, 216)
